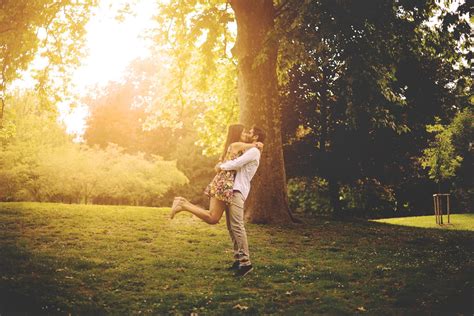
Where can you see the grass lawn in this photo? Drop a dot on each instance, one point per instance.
(82, 259)
(457, 221)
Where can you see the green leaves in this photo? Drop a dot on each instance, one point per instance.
(39, 162)
(440, 157)
(48, 31)
(199, 90)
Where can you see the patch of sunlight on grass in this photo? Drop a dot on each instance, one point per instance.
(457, 221)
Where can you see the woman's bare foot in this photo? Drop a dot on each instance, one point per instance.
(177, 206)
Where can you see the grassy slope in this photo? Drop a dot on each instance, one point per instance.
(131, 260)
(457, 221)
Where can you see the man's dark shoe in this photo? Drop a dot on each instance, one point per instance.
(235, 266)
(243, 270)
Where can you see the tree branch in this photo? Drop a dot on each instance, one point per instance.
(281, 6)
(7, 29)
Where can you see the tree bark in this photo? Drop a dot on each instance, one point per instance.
(259, 104)
(2, 98)
(1, 112)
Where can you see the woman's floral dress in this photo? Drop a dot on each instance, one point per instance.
(222, 186)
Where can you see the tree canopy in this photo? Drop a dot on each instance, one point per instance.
(49, 31)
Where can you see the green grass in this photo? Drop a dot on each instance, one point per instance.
(61, 259)
(456, 221)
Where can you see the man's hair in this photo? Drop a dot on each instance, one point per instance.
(257, 131)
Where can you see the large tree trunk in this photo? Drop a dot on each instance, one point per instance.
(258, 100)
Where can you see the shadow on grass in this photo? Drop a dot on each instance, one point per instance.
(34, 284)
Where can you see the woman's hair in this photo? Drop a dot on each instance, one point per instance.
(233, 135)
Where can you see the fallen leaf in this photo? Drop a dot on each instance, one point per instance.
(361, 309)
(240, 307)
(383, 268)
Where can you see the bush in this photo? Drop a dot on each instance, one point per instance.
(368, 198)
(309, 196)
(39, 162)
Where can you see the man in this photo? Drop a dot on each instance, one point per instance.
(245, 167)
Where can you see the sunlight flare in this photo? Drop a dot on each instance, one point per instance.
(113, 43)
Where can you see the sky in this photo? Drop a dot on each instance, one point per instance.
(111, 46)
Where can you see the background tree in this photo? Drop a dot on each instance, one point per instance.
(121, 113)
(462, 128)
(362, 88)
(53, 28)
(440, 157)
(449, 157)
(41, 163)
(114, 118)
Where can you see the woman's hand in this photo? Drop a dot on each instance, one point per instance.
(259, 145)
(217, 168)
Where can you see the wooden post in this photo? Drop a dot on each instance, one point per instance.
(438, 207)
(440, 199)
(448, 208)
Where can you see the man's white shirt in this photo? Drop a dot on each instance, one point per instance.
(246, 167)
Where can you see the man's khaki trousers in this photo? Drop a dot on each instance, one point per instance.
(235, 225)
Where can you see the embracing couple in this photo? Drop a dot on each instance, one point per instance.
(229, 189)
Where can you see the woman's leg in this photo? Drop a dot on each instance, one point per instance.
(216, 209)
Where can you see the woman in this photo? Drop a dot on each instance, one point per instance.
(220, 190)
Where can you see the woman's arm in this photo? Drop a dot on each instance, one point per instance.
(253, 154)
(241, 146)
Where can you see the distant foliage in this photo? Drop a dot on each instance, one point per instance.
(51, 29)
(198, 88)
(449, 158)
(359, 82)
(369, 198)
(40, 163)
(440, 158)
(462, 128)
(365, 198)
(118, 115)
(309, 196)
(199, 169)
